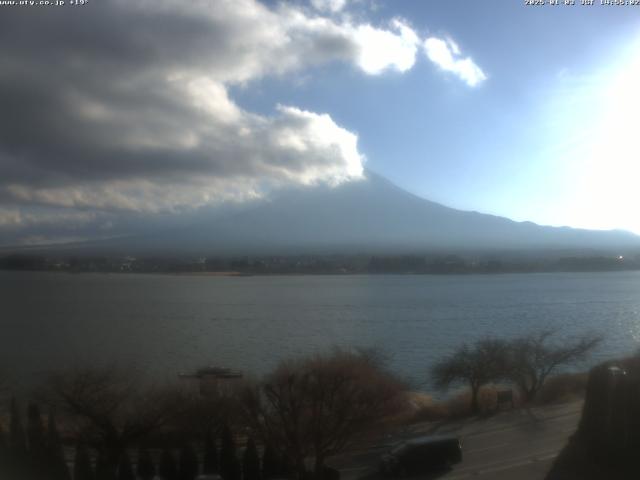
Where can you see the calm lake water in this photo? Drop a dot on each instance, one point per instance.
(164, 324)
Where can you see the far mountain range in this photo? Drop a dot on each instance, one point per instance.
(368, 216)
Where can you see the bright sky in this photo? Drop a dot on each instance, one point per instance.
(547, 130)
(529, 112)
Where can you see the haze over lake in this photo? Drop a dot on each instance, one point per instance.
(165, 324)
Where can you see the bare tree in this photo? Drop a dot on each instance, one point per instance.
(314, 407)
(111, 408)
(534, 357)
(474, 365)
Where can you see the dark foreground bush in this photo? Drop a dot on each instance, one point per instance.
(607, 442)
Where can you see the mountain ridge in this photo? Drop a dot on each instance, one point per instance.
(369, 215)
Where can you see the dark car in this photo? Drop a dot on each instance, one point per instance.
(421, 455)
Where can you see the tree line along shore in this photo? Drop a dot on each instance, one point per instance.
(327, 264)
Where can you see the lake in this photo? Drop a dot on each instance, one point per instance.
(164, 324)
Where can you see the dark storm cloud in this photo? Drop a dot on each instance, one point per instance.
(123, 105)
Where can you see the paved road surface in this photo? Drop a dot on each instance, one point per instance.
(518, 444)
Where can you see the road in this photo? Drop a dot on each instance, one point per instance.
(520, 443)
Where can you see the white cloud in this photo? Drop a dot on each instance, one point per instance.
(383, 49)
(297, 132)
(446, 55)
(14, 218)
(333, 6)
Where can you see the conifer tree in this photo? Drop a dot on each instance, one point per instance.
(167, 469)
(188, 463)
(17, 460)
(56, 462)
(251, 462)
(146, 469)
(285, 468)
(82, 469)
(4, 456)
(270, 466)
(125, 470)
(17, 442)
(229, 465)
(35, 430)
(210, 462)
(3, 442)
(36, 442)
(236, 470)
(104, 469)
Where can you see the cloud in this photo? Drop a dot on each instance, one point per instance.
(446, 55)
(332, 6)
(14, 218)
(129, 109)
(386, 49)
(46, 226)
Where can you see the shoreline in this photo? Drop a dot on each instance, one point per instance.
(232, 273)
